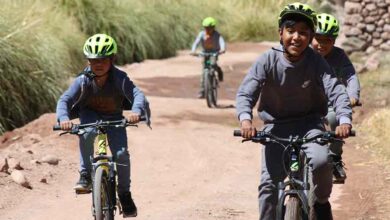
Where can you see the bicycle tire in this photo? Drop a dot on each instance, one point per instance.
(101, 196)
(207, 88)
(293, 209)
(312, 196)
(214, 88)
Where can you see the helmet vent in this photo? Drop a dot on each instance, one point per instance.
(97, 39)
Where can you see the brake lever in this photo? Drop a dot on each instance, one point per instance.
(65, 132)
(245, 140)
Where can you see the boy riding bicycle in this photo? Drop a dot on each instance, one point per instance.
(211, 42)
(323, 42)
(102, 92)
(295, 84)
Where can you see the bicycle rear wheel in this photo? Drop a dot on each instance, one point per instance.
(101, 196)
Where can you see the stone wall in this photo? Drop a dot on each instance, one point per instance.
(366, 26)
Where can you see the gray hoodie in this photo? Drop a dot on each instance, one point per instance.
(344, 70)
(291, 91)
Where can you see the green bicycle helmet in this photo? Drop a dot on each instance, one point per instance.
(100, 46)
(327, 25)
(209, 22)
(299, 9)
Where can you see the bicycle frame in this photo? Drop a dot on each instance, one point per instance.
(103, 166)
(298, 172)
(298, 180)
(109, 166)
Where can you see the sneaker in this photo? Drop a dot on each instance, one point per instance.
(220, 74)
(339, 172)
(201, 95)
(323, 211)
(84, 185)
(128, 207)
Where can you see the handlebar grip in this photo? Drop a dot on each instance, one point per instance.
(57, 128)
(351, 134)
(237, 133)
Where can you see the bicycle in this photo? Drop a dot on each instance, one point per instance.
(299, 186)
(211, 82)
(104, 173)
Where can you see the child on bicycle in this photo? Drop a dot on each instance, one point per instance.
(211, 42)
(102, 92)
(295, 84)
(323, 42)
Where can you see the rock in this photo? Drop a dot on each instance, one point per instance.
(352, 19)
(370, 28)
(34, 161)
(364, 13)
(381, 23)
(352, 7)
(353, 31)
(355, 44)
(377, 42)
(33, 138)
(361, 26)
(370, 50)
(4, 165)
(14, 164)
(370, 19)
(385, 47)
(386, 28)
(381, 4)
(20, 179)
(360, 68)
(50, 159)
(372, 62)
(376, 35)
(385, 36)
(43, 180)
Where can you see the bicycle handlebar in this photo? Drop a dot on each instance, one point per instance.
(117, 123)
(262, 136)
(205, 54)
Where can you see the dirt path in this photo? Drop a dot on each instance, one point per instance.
(188, 167)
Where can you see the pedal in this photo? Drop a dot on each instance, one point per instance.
(338, 181)
(82, 190)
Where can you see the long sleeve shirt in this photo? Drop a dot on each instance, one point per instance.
(290, 91)
(344, 70)
(210, 43)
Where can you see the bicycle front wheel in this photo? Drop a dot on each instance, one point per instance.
(211, 89)
(293, 209)
(103, 209)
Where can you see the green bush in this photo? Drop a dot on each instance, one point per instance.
(38, 46)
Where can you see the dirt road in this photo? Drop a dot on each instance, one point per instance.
(188, 167)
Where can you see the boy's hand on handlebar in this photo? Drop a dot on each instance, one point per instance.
(343, 130)
(354, 102)
(134, 117)
(66, 125)
(247, 129)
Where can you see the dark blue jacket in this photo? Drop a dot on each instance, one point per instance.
(75, 98)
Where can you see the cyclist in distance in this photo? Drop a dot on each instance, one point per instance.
(296, 85)
(102, 92)
(212, 42)
(323, 42)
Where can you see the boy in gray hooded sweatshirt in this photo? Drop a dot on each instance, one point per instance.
(295, 84)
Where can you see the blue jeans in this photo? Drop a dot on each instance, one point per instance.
(117, 140)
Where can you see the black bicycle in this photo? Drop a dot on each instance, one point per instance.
(104, 195)
(210, 77)
(296, 194)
